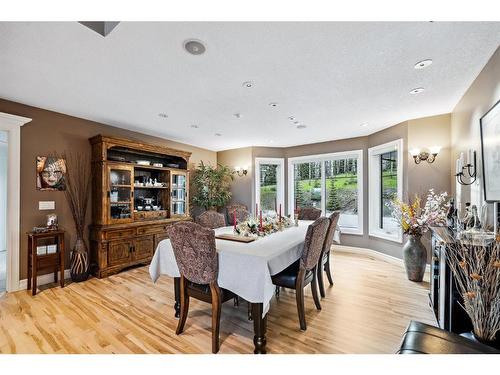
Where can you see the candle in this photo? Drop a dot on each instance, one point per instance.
(256, 209)
(280, 213)
(234, 220)
(462, 159)
(457, 168)
(261, 220)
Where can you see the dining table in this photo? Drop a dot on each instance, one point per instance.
(244, 268)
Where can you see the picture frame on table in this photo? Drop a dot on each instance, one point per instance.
(490, 152)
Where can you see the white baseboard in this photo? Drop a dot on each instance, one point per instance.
(374, 253)
(44, 279)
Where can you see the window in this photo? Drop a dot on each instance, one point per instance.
(269, 184)
(386, 183)
(329, 182)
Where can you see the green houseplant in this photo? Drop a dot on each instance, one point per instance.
(211, 186)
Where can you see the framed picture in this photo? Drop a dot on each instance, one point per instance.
(52, 221)
(50, 173)
(490, 149)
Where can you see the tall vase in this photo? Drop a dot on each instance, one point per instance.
(79, 261)
(415, 258)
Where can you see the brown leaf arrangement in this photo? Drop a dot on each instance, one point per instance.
(476, 267)
(78, 185)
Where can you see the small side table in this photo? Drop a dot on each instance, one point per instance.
(52, 258)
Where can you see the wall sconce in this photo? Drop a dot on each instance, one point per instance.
(466, 168)
(430, 155)
(241, 171)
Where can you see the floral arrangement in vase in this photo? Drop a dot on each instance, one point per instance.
(254, 227)
(415, 220)
(476, 267)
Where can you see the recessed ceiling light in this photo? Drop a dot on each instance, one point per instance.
(218, 134)
(365, 124)
(162, 115)
(237, 115)
(418, 90)
(194, 47)
(291, 118)
(423, 64)
(195, 126)
(301, 126)
(248, 84)
(273, 104)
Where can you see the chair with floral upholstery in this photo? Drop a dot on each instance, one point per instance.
(211, 219)
(309, 213)
(196, 257)
(324, 259)
(304, 271)
(239, 209)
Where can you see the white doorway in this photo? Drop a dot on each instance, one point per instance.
(3, 210)
(10, 125)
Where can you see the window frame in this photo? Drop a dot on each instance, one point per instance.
(358, 154)
(280, 179)
(374, 191)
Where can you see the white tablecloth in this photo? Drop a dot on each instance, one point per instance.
(244, 268)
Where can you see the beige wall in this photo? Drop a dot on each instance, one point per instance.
(465, 134)
(413, 132)
(54, 132)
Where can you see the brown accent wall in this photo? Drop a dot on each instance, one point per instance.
(55, 132)
(465, 134)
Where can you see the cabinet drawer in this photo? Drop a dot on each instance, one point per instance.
(111, 235)
(153, 229)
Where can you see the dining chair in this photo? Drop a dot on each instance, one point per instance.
(303, 272)
(211, 219)
(196, 257)
(309, 213)
(239, 209)
(324, 259)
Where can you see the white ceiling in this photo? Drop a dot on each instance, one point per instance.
(330, 76)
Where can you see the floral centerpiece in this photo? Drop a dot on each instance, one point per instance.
(252, 226)
(415, 220)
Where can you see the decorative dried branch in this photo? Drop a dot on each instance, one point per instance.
(476, 267)
(78, 184)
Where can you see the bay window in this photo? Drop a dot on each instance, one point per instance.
(385, 184)
(329, 182)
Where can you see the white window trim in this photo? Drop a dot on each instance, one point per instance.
(280, 178)
(12, 124)
(374, 188)
(321, 158)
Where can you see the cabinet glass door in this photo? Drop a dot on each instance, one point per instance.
(179, 199)
(120, 193)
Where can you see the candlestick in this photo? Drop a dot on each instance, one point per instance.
(234, 220)
(256, 209)
(280, 214)
(261, 220)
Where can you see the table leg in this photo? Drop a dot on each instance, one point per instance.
(61, 259)
(259, 328)
(30, 262)
(177, 294)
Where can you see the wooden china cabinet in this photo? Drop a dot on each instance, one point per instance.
(138, 190)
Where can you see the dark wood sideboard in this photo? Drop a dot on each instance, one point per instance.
(130, 214)
(445, 299)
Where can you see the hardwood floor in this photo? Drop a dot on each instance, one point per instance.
(366, 311)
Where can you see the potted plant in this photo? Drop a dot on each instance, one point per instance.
(476, 268)
(78, 184)
(415, 220)
(211, 186)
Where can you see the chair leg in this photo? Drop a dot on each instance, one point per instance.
(327, 269)
(299, 295)
(184, 297)
(277, 292)
(216, 309)
(314, 289)
(319, 273)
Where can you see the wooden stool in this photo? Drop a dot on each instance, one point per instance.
(53, 261)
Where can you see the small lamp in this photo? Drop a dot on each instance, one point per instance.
(241, 171)
(428, 155)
